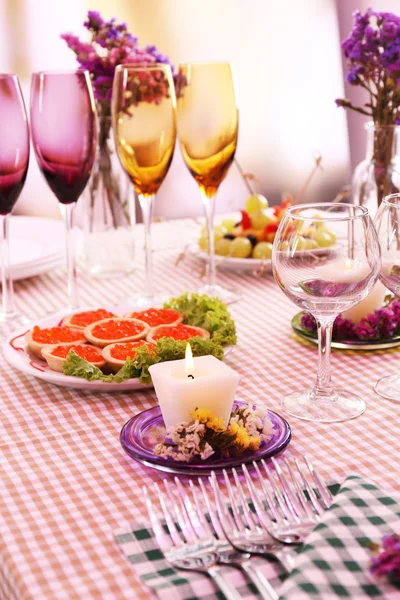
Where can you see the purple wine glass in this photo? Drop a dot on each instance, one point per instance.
(14, 160)
(64, 135)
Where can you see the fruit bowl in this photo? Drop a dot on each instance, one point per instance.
(251, 237)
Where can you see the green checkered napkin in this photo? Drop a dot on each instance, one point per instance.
(332, 565)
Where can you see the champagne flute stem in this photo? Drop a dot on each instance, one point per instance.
(323, 386)
(6, 281)
(209, 210)
(146, 204)
(67, 211)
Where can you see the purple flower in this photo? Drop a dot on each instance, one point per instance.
(386, 559)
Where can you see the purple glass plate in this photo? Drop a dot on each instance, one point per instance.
(140, 435)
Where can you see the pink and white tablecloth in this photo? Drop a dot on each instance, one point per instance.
(65, 482)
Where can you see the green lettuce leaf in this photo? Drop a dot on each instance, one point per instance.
(206, 312)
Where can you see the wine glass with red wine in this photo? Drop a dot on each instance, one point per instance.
(14, 160)
(64, 136)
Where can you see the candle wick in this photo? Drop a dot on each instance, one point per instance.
(190, 376)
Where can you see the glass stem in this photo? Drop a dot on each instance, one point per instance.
(209, 210)
(7, 291)
(146, 204)
(67, 211)
(323, 386)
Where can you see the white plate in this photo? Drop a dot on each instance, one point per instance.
(37, 245)
(16, 354)
(255, 265)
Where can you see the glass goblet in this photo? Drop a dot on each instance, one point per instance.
(325, 285)
(64, 136)
(208, 122)
(14, 160)
(387, 223)
(143, 116)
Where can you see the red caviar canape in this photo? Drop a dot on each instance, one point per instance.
(116, 354)
(119, 329)
(84, 318)
(177, 332)
(158, 316)
(37, 338)
(56, 355)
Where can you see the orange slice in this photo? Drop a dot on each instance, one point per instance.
(82, 319)
(158, 316)
(177, 332)
(117, 354)
(56, 355)
(118, 329)
(38, 338)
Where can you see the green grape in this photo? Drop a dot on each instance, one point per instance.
(229, 224)
(241, 247)
(259, 220)
(223, 247)
(262, 250)
(255, 203)
(324, 238)
(310, 244)
(297, 243)
(203, 245)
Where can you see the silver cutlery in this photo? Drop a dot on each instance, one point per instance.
(186, 548)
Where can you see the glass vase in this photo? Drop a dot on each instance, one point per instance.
(379, 173)
(109, 212)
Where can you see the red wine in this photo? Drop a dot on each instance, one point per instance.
(66, 181)
(11, 185)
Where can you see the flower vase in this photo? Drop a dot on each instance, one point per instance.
(379, 173)
(109, 212)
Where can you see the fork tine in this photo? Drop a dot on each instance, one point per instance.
(174, 533)
(313, 496)
(225, 516)
(322, 488)
(211, 511)
(249, 515)
(237, 517)
(308, 510)
(287, 493)
(163, 539)
(261, 513)
(269, 500)
(195, 516)
(287, 512)
(181, 516)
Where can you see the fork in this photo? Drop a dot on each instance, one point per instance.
(241, 526)
(293, 517)
(182, 548)
(227, 554)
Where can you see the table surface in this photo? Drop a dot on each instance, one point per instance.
(65, 482)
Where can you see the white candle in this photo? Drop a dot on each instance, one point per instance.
(343, 271)
(367, 306)
(209, 384)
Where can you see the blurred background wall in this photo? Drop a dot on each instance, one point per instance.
(288, 67)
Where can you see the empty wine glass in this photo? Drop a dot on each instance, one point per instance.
(14, 160)
(208, 122)
(143, 115)
(387, 223)
(326, 285)
(64, 135)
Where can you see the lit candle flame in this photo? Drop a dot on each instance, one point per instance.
(189, 363)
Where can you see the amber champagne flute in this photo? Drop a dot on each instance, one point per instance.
(208, 120)
(143, 115)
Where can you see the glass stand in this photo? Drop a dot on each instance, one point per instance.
(226, 295)
(341, 407)
(389, 387)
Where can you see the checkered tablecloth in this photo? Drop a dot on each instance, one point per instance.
(65, 482)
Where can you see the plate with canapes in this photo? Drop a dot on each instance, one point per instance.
(97, 335)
